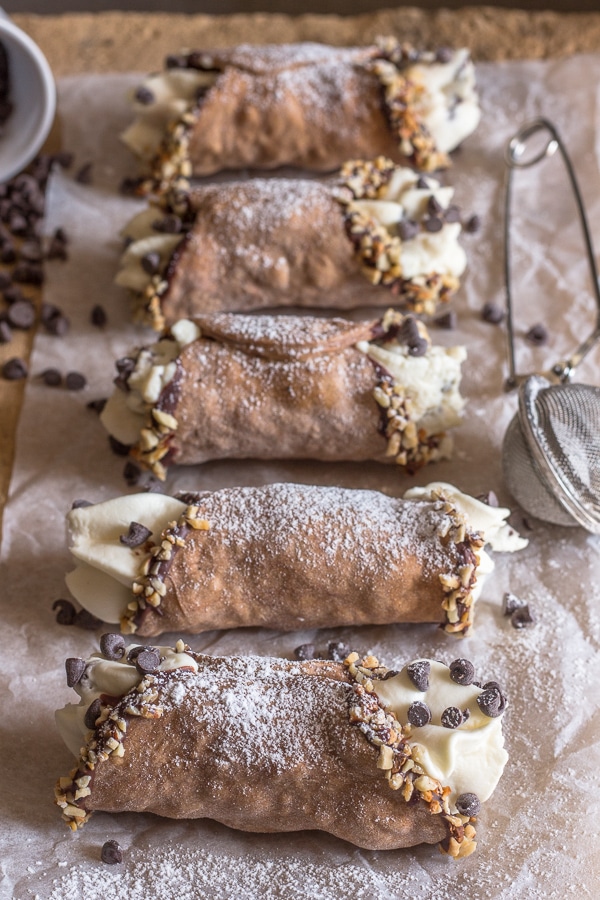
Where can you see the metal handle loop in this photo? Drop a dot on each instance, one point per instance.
(513, 157)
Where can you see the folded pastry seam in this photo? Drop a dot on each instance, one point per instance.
(151, 689)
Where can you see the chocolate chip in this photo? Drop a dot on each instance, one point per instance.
(57, 248)
(131, 473)
(492, 313)
(408, 229)
(522, 617)
(84, 174)
(63, 158)
(17, 223)
(129, 187)
(451, 717)
(15, 369)
(443, 55)
(21, 314)
(75, 667)
(491, 701)
(136, 536)
(54, 321)
(117, 447)
(176, 61)
(468, 805)
(410, 335)
(8, 254)
(4, 280)
(447, 320)
(452, 214)
(434, 207)
(66, 612)
(170, 224)
(418, 672)
(419, 714)
(75, 381)
(5, 332)
(305, 651)
(473, 224)
(81, 504)
(97, 405)
(111, 853)
(28, 273)
(510, 603)
(537, 335)
(144, 95)
(150, 263)
(433, 224)
(462, 671)
(98, 316)
(31, 251)
(422, 183)
(337, 651)
(12, 293)
(112, 646)
(92, 713)
(84, 619)
(147, 661)
(51, 377)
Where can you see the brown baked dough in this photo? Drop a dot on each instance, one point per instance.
(290, 556)
(260, 745)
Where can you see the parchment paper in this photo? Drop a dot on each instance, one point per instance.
(538, 833)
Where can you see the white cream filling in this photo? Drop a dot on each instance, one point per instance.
(470, 758)
(430, 382)
(449, 106)
(125, 412)
(424, 254)
(114, 678)
(174, 93)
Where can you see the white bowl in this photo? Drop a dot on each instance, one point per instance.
(33, 96)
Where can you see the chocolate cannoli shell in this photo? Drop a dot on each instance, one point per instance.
(249, 389)
(290, 106)
(265, 243)
(293, 556)
(260, 754)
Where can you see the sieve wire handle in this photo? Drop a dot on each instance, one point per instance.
(515, 159)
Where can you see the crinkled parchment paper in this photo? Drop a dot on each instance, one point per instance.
(538, 834)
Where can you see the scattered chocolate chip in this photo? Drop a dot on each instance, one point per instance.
(305, 651)
(408, 229)
(409, 333)
(136, 536)
(510, 603)
(492, 313)
(443, 55)
(147, 661)
(466, 714)
(17, 223)
(5, 281)
(170, 224)
(176, 61)
(84, 174)
(31, 251)
(419, 714)
(433, 224)
(57, 248)
(451, 717)
(63, 158)
(522, 617)
(97, 405)
(336, 651)
(66, 612)
(462, 671)
(537, 335)
(75, 381)
(144, 95)
(112, 646)
(491, 701)
(473, 224)
(131, 473)
(452, 213)
(14, 369)
(53, 320)
(21, 314)
(447, 320)
(434, 207)
(75, 667)
(8, 254)
(151, 485)
(81, 504)
(111, 853)
(92, 713)
(422, 183)
(5, 332)
(117, 447)
(150, 263)
(28, 273)
(84, 619)
(418, 672)
(129, 186)
(12, 294)
(468, 805)
(98, 316)
(51, 377)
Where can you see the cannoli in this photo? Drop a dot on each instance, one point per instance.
(306, 105)
(287, 387)
(381, 758)
(375, 232)
(284, 556)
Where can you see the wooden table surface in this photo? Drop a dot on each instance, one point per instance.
(121, 42)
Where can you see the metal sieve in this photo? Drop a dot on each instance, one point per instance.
(551, 451)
